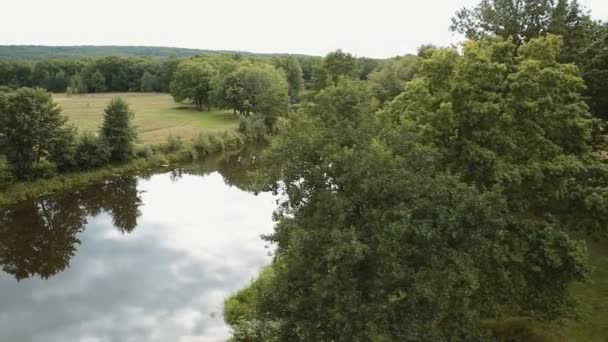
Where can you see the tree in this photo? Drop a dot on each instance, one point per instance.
(293, 72)
(91, 152)
(593, 61)
(31, 126)
(97, 83)
(118, 131)
(167, 72)
(464, 199)
(193, 82)
(390, 79)
(40, 237)
(63, 152)
(522, 20)
(367, 67)
(77, 84)
(335, 65)
(258, 89)
(149, 82)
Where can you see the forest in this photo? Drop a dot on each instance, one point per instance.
(448, 195)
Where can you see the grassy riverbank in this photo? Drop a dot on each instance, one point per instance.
(157, 116)
(150, 156)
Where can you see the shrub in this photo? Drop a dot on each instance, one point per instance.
(63, 153)
(145, 152)
(173, 144)
(232, 140)
(43, 168)
(202, 143)
(92, 152)
(253, 127)
(6, 173)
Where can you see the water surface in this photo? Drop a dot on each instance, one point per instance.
(133, 258)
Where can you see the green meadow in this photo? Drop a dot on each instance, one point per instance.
(157, 116)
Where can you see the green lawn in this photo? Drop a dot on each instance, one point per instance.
(593, 324)
(156, 115)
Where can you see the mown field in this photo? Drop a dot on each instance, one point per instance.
(156, 115)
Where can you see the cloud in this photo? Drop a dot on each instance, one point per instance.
(166, 281)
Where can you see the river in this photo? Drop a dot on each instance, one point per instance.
(148, 257)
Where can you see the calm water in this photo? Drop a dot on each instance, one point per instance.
(135, 258)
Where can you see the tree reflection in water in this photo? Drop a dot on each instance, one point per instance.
(40, 237)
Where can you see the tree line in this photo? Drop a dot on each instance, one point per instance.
(451, 191)
(37, 142)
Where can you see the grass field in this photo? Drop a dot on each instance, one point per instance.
(156, 115)
(593, 298)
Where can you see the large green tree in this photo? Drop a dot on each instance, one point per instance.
(192, 81)
(31, 128)
(593, 61)
(255, 89)
(523, 20)
(462, 200)
(294, 75)
(335, 65)
(118, 131)
(390, 79)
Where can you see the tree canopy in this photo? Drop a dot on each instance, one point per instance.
(118, 130)
(192, 81)
(31, 127)
(461, 200)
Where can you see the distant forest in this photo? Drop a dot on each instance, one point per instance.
(34, 53)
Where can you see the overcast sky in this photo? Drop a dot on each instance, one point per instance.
(372, 28)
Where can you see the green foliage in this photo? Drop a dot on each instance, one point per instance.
(254, 89)
(42, 168)
(522, 20)
(335, 65)
(240, 312)
(31, 128)
(118, 131)
(254, 127)
(192, 81)
(174, 144)
(389, 81)
(6, 173)
(77, 85)
(460, 201)
(91, 152)
(64, 150)
(367, 66)
(97, 83)
(149, 82)
(593, 61)
(294, 75)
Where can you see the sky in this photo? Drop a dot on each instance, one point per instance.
(366, 28)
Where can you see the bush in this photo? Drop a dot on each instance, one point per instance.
(202, 144)
(173, 144)
(63, 153)
(217, 143)
(144, 152)
(42, 169)
(232, 140)
(92, 152)
(6, 173)
(253, 127)
(240, 311)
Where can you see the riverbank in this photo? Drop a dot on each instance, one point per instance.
(175, 150)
